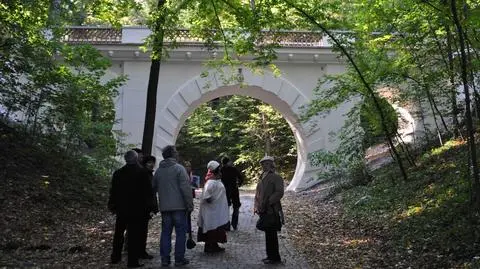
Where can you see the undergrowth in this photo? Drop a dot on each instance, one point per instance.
(49, 198)
(428, 219)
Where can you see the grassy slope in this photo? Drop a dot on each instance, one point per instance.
(427, 221)
(50, 203)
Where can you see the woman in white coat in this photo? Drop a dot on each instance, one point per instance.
(213, 220)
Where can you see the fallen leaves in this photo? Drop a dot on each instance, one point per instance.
(319, 230)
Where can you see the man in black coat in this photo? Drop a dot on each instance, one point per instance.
(130, 201)
(232, 179)
(148, 163)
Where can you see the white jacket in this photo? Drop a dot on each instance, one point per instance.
(214, 214)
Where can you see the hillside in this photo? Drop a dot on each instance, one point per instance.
(425, 222)
(51, 204)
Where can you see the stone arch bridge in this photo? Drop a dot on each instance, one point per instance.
(303, 58)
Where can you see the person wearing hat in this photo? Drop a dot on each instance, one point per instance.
(128, 200)
(172, 184)
(268, 194)
(213, 219)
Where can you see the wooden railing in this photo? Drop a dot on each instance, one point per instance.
(106, 35)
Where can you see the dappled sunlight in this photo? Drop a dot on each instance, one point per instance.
(447, 146)
(433, 196)
(411, 211)
(356, 242)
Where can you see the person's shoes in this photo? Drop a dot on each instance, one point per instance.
(146, 256)
(263, 260)
(182, 262)
(135, 265)
(234, 227)
(268, 261)
(165, 263)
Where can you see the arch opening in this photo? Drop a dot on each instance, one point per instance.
(265, 96)
(241, 128)
(277, 92)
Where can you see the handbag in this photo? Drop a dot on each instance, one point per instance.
(269, 221)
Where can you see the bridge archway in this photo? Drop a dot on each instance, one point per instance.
(275, 91)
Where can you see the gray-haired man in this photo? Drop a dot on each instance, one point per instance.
(172, 184)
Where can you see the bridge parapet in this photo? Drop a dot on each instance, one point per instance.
(185, 37)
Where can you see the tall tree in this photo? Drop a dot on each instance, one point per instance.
(468, 113)
(151, 103)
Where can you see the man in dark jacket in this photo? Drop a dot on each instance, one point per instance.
(232, 179)
(268, 194)
(148, 163)
(172, 184)
(130, 200)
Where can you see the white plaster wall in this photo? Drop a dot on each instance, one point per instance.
(290, 91)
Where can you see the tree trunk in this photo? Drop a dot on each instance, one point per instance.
(439, 134)
(435, 108)
(422, 119)
(476, 96)
(268, 147)
(370, 91)
(151, 103)
(468, 114)
(453, 94)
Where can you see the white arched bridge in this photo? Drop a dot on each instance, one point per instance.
(303, 58)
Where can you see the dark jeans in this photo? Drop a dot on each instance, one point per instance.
(271, 243)
(133, 225)
(171, 219)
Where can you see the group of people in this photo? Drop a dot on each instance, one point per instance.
(137, 193)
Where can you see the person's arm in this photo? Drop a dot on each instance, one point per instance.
(185, 188)
(155, 181)
(240, 178)
(208, 191)
(155, 184)
(278, 190)
(112, 198)
(149, 193)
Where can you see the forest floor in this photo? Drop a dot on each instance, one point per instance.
(424, 222)
(54, 214)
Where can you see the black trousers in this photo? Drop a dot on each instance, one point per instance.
(271, 243)
(236, 211)
(235, 197)
(144, 236)
(133, 225)
(235, 202)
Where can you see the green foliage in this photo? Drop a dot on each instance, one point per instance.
(346, 165)
(242, 128)
(61, 101)
(429, 215)
(372, 124)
